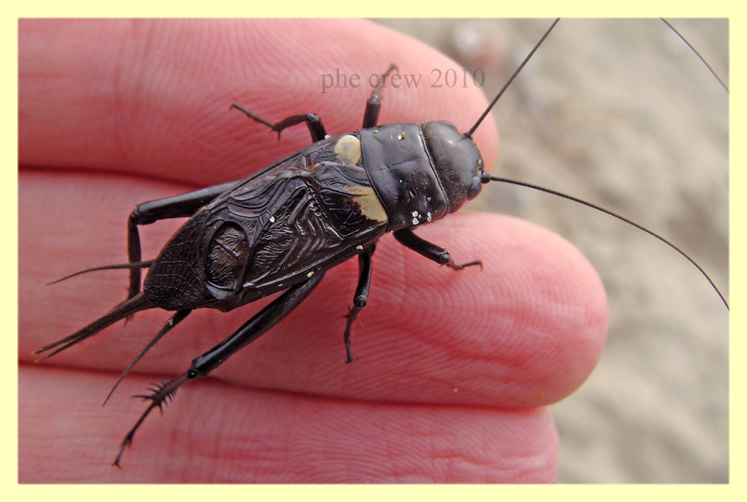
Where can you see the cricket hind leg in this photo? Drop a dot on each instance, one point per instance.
(207, 362)
(164, 391)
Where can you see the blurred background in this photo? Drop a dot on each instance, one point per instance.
(622, 113)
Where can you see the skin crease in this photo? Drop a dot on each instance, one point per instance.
(453, 369)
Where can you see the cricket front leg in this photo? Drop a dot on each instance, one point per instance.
(407, 238)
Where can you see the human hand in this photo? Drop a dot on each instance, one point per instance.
(452, 369)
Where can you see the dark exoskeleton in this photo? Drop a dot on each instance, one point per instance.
(284, 227)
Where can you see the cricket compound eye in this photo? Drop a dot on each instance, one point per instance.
(476, 187)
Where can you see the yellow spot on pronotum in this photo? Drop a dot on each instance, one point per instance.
(348, 149)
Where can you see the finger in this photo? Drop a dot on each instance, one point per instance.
(152, 96)
(525, 331)
(221, 433)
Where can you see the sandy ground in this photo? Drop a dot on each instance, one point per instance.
(622, 114)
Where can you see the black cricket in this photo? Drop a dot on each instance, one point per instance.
(282, 228)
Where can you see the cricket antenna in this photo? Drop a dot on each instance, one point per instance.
(702, 59)
(486, 177)
(523, 63)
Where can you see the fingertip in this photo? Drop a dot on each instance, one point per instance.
(539, 307)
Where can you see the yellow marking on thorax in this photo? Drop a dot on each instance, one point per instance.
(348, 149)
